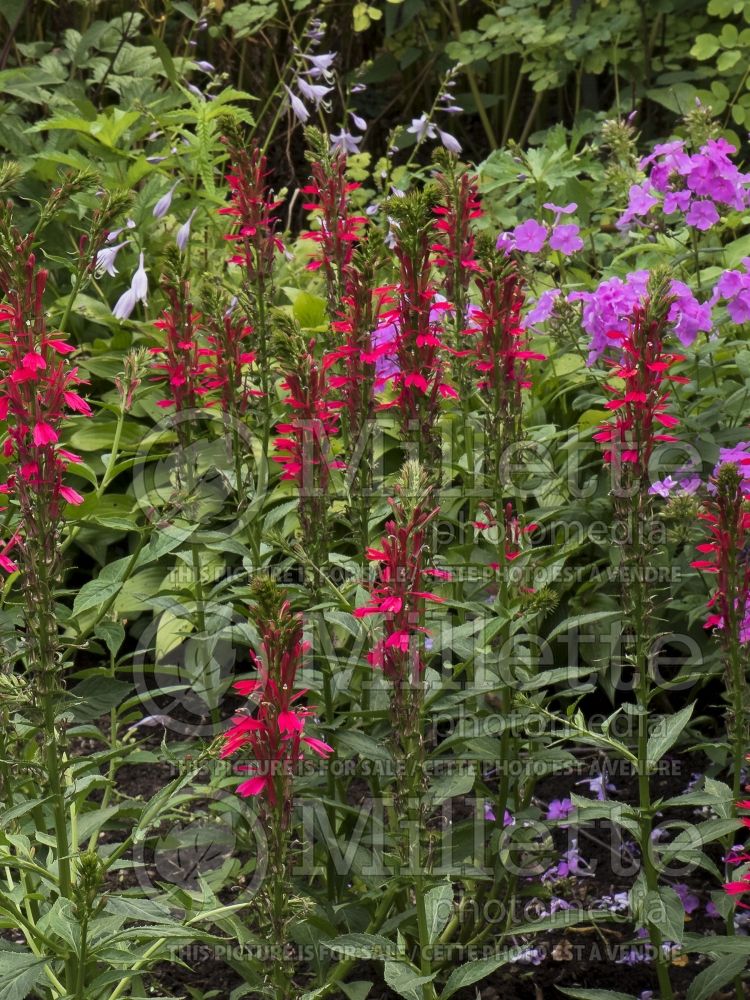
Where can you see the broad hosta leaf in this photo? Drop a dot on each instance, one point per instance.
(357, 991)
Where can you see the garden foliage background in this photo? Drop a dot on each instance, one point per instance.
(375, 438)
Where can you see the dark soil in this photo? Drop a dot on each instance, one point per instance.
(583, 956)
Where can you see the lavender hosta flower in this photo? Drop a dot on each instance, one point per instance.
(205, 67)
(125, 305)
(345, 142)
(162, 206)
(315, 92)
(299, 110)
(531, 956)
(529, 236)
(711, 910)
(197, 92)
(105, 259)
(183, 233)
(599, 785)
(114, 233)
(358, 88)
(489, 814)
(450, 142)
(139, 283)
(359, 122)
(565, 238)
(422, 128)
(320, 64)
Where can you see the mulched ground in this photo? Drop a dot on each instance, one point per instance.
(579, 956)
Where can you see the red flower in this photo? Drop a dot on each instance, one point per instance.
(399, 593)
(227, 363)
(181, 352)
(304, 445)
(499, 348)
(254, 209)
(454, 247)
(274, 734)
(728, 516)
(339, 230)
(640, 404)
(37, 394)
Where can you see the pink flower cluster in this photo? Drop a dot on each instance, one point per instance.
(610, 307)
(701, 186)
(531, 236)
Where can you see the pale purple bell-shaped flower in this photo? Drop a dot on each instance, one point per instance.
(162, 206)
(105, 258)
(183, 233)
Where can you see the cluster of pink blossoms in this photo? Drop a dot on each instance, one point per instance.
(700, 186)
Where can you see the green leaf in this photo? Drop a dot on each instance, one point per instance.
(438, 907)
(363, 745)
(362, 946)
(94, 594)
(20, 972)
(450, 786)
(712, 979)
(669, 729)
(663, 908)
(403, 980)
(472, 972)
(309, 310)
(579, 620)
(705, 46)
(113, 635)
(357, 991)
(96, 695)
(166, 58)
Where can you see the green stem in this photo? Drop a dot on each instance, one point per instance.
(473, 85)
(72, 297)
